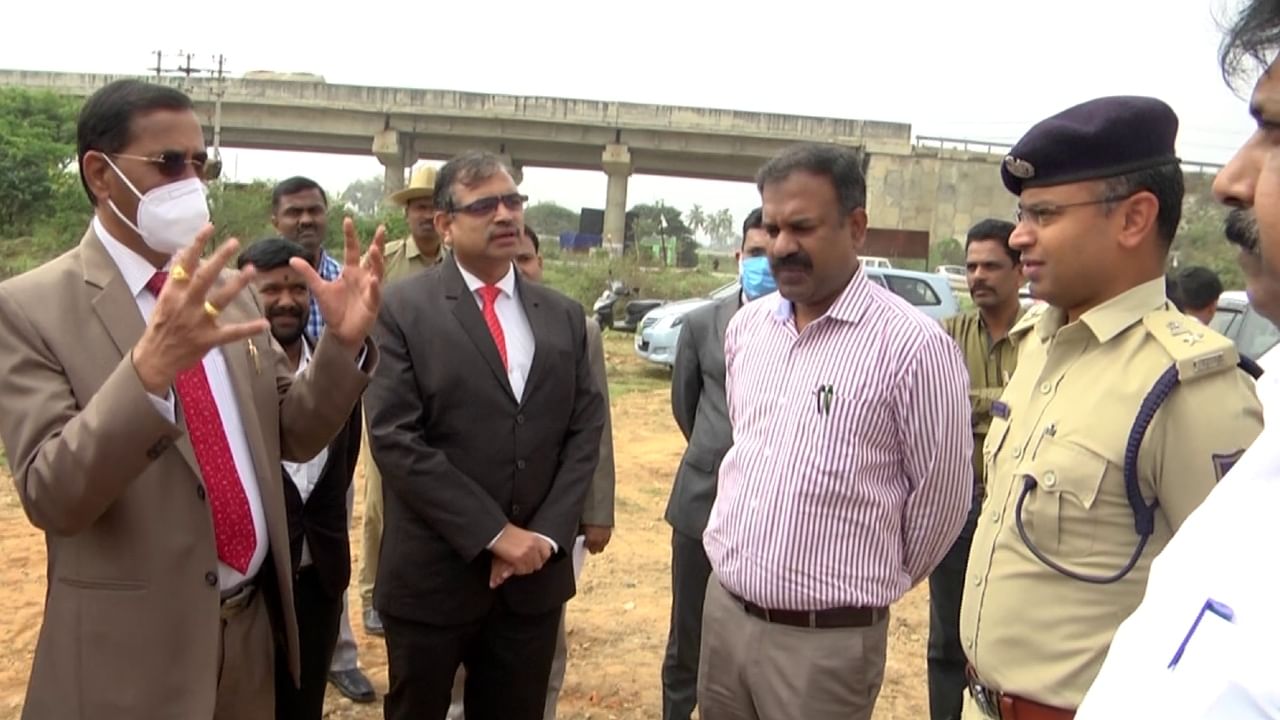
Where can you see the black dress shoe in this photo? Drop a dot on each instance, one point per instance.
(373, 623)
(353, 684)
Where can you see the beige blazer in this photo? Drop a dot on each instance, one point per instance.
(132, 613)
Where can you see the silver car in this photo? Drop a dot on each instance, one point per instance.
(659, 330)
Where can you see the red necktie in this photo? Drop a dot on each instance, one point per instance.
(490, 294)
(232, 520)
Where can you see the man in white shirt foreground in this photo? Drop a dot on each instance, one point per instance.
(315, 491)
(1201, 644)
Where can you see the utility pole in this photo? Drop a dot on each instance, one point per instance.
(213, 168)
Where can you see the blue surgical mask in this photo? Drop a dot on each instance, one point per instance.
(757, 278)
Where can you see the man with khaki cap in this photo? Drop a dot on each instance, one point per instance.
(404, 257)
(1122, 415)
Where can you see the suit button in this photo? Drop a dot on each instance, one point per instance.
(515, 509)
(200, 491)
(211, 578)
(520, 419)
(519, 464)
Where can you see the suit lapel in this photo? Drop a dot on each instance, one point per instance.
(724, 313)
(117, 308)
(540, 325)
(468, 314)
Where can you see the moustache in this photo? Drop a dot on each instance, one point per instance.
(295, 312)
(502, 228)
(796, 260)
(979, 286)
(1242, 229)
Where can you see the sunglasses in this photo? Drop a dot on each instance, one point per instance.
(172, 163)
(486, 205)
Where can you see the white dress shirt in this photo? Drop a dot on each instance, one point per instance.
(136, 272)
(515, 325)
(306, 475)
(518, 335)
(1224, 558)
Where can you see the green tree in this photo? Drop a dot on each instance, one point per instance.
(241, 210)
(549, 219)
(697, 219)
(719, 227)
(363, 196)
(1200, 240)
(661, 224)
(949, 252)
(37, 144)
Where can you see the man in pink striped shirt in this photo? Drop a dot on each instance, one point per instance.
(850, 474)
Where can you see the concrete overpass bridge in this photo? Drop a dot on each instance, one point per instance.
(936, 187)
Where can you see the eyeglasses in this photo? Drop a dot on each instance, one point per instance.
(486, 205)
(172, 163)
(1041, 214)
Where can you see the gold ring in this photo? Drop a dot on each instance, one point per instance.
(210, 310)
(179, 274)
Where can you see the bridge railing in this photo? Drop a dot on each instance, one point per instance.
(998, 148)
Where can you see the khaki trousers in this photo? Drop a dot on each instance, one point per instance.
(750, 669)
(246, 663)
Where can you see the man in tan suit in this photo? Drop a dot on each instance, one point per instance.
(404, 257)
(145, 410)
(597, 511)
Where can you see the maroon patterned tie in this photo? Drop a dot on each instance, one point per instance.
(489, 293)
(232, 520)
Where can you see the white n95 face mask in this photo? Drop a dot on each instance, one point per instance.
(169, 216)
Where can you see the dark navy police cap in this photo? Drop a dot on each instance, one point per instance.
(1098, 139)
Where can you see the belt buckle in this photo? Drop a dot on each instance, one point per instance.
(985, 698)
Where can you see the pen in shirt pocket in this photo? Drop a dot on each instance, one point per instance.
(824, 396)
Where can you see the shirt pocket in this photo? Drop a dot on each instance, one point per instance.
(1058, 513)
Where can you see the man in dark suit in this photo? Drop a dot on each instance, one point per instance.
(314, 491)
(145, 410)
(699, 405)
(485, 422)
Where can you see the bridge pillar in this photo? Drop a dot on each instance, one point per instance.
(616, 162)
(393, 151)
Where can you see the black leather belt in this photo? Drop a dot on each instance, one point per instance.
(845, 617)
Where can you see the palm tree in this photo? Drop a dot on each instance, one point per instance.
(696, 219)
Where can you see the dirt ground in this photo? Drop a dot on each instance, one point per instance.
(617, 624)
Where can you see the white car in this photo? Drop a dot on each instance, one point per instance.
(875, 262)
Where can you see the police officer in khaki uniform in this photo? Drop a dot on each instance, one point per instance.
(404, 257)
(1122, 414)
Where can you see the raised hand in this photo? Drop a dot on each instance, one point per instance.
(184, 325)
(350, 303)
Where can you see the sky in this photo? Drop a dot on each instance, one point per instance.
(981, 69)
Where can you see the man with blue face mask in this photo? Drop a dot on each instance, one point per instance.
(698, 402)
(145, 410)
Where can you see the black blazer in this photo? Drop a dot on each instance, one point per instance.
(461, 456)
(322, 520)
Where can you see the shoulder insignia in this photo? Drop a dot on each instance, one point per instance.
(1197, 350)
(1222, 463)
(1028, 320)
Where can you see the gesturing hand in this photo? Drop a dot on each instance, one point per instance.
(184, 325)
(350, 303)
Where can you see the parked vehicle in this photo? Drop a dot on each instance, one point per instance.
(660, 328)
(1254, 335)
(956, 275)
(605, 308)
(875, 262)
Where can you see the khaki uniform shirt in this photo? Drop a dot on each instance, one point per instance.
(403, 258)
(990, 366)
(1064, 419)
